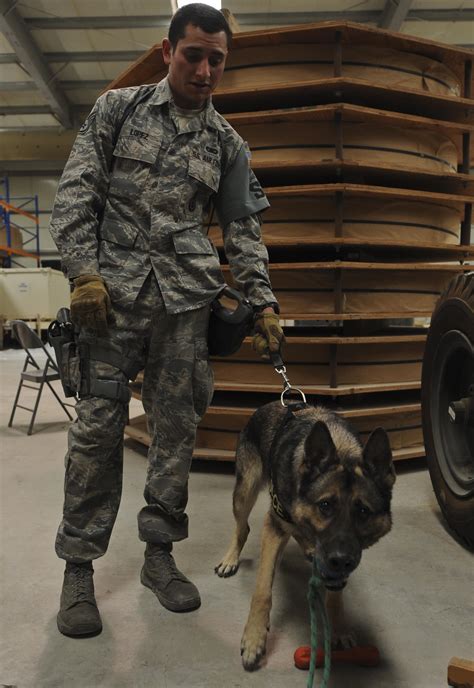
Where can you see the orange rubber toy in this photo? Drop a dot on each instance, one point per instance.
(363, 655)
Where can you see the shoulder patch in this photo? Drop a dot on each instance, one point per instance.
(87, 123)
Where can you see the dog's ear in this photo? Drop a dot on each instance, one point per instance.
(319, 449)
(378, 458)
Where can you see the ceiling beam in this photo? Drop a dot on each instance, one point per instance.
(14, 29)
(244, 19)
(394, 14)
(93, 84)
(82, 56)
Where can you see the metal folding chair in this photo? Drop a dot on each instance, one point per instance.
(40, 372)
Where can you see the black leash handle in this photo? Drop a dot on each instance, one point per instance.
(280, 368)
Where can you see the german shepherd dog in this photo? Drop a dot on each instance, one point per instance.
(327, 491)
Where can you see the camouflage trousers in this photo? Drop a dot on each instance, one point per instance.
(177, 389)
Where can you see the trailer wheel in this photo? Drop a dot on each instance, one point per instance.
(447, 396)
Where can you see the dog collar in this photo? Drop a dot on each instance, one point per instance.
(278, 507)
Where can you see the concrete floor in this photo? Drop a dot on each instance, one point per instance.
(412, 594)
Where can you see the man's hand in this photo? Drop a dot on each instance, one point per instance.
(268, 337)
(90, 303)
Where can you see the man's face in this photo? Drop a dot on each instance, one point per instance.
(195, 65)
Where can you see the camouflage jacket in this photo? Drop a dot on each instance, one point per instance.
(136, 190)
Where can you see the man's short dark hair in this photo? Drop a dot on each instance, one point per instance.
(203, 16)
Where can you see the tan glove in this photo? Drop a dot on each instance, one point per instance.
(268, 336)
(90, 303)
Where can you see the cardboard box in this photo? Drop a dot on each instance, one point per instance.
(16, 237)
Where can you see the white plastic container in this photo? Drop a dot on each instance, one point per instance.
(32, 293)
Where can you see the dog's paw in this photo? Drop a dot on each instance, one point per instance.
(343, 640)
(227, 568)
(253, 647)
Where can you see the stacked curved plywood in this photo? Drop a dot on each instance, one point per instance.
(361, 139)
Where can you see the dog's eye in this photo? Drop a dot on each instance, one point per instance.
(363, 511)
(325, 507)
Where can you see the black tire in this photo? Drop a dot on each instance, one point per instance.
(447, 376)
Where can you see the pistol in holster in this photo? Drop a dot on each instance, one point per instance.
(62, 337)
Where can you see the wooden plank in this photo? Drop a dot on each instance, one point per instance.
(370, 266)
(357, 91)
(244, 412)
(334, 317)
(350, 341)
(227, 455)
(349, 112)
(305, 215)
(429, 251)
(461, 673)
(310, 364)
(322, 390)
(296, 171)
(409, 453)
(138, 433)
(391, 409)
(141, 71)
(355, 33)
(214, 454)
(362, 190)
(305, 291)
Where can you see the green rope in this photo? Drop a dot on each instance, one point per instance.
(317, 607)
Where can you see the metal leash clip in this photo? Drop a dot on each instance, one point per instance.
(280, 368)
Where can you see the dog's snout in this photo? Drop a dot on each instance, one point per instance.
(342, 563)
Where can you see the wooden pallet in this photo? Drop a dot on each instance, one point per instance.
(357, 238)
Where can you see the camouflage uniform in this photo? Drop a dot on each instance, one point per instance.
(130, 207)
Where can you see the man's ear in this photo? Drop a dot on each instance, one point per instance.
(319, 450)
(167, 49)
(378, 458)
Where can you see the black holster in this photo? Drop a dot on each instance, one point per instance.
(74, 358)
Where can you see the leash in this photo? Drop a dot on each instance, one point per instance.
(280, 368)
(316, 597)
(317, 607)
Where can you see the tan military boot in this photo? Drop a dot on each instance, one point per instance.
(78, 614)
(172, 588)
